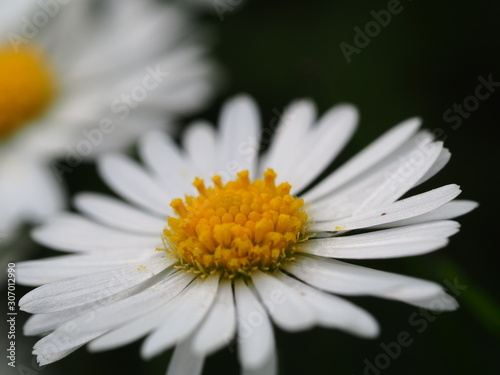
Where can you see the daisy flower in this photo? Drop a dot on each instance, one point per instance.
(82, 77)
(219, 241)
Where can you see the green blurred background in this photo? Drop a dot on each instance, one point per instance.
(425, 60)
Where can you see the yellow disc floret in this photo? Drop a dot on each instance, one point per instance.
(236, 227)
(26, 88)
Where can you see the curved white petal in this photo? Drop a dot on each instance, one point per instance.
(166, 285)
(168, 163)
(42, 323)
(270, 367)
(200, 144)
(334, 312)
(449, 210)
(149, 321)
(50, 349)
(291, 128)
(70, 232)
(130, 181)
(239, 139)
(118, 214)
(402, 209)
(283, 304)
(38, 272)
(348, 279)
(439, 163)
(369, 156)
(183, 320)
(255, 333)
(185, 361)
(323, 144)
(29, 191)
(389, 243)
(385, 182)
(219, 326)
(81, 330)
(149, 299)
(67, 293)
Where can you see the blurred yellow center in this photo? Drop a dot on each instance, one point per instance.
(236, 227)
(26, 88)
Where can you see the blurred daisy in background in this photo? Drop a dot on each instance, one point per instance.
(78, 78)
(219, 240)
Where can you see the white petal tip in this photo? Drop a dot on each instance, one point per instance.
(148, 351)
(95, 347)
(240, 102)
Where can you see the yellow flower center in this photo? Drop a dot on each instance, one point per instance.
(26, 88)
(237, 227)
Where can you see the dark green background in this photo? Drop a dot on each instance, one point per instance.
(427, 58)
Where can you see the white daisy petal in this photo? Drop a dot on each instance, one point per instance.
(185, 99)
(384, 182)
(28, 191)
(343, 278)
(166, 288)
(169, 164)
(239, 138)
(219, 327)
(369, 156)
(291, 129)
(41, 323)
(48, 352)
(440, 301)
(127, 179)
(44, 323)
(135, 329)
(449, 210)
(184, 319)
(76, 291)
(149, 321)
(70, 232)
(148, 20)
(402, 209)
(439, 163)
(12, 13)
(199, 142)
(390, 243)
(285, 307)
(269, 368)
(185, 361)
(255, 333)
(117, 214)
(334, 312)
(38, 272)
(323, 144)
(125, 310)
(403, 180)
(81, 330)
(406, 248)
